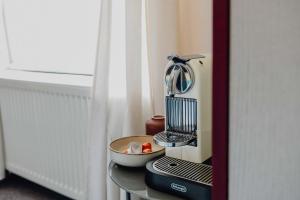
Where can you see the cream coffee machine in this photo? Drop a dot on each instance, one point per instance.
(187, 137)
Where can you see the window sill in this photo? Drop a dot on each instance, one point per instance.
(66, 83)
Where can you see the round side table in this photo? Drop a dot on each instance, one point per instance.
(132, 180)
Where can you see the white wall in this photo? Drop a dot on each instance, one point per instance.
(194, 26)
(265, 100)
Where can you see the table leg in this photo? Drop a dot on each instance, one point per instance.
(128, 197)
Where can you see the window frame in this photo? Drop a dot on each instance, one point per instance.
(57, 63)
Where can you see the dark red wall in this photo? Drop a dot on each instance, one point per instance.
(220, 98)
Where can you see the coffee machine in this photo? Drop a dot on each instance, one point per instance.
(187, 136)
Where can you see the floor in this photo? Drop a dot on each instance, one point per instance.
(16, 188)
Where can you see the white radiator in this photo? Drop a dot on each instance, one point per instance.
(45, 135)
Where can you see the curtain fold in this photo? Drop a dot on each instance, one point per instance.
(98, 138)
(118, 106)
(162, 40)
(4, 55)
(134, 66)
(131, 55)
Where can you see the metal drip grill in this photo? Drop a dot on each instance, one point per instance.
(181, 114)
(196, 172)
(173, 139)
(181, 122)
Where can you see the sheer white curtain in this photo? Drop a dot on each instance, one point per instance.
(2, 161)
(3, 62)
(122, 98)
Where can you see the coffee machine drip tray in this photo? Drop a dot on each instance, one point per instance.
(183, 178)
(200, 173)
(173, 139)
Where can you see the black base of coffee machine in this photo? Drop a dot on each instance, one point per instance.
(175, 176)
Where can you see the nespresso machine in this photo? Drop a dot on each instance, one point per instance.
(187, 136)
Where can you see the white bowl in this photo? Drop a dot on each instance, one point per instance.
(118, 146)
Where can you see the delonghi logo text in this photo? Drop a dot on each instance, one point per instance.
(178, 187)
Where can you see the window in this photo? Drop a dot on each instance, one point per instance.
(58, 36)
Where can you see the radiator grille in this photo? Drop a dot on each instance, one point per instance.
(45, 134)
(199, 173)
